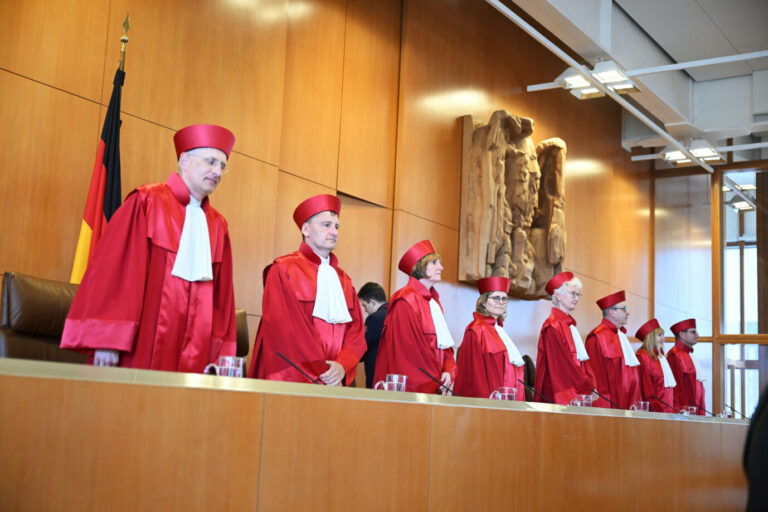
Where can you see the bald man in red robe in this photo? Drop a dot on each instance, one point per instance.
(310, 311)
(157, 293)
(689, 391)
(415, 341)
(611, 358)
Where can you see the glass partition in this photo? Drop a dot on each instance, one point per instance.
(745, 373)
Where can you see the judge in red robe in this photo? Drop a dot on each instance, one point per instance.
(415, 335)
(157, 293)
(310, 311)
(561, 372)
(689, 391)
(657, 382)
(488, 359)
(611, 358)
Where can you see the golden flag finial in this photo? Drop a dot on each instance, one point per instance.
(124, 39)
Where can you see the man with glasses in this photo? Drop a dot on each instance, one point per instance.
(157, 293)
(611, 358)
(689, 391)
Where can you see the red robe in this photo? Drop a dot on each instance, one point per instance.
(560, 376)
(288, 326)
(408, 341)
(652, 383)
(483, 363)
(129, 301)
(689, 391)
(614, 379)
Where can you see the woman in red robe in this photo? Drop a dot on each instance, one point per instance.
(415, 341)
(657, 383)
(488, 359)
(561, 373)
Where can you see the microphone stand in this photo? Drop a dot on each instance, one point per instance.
(534, 391)
(663, 402)
(734, 410)
(300, 370)
(606, 399)
(425, 372)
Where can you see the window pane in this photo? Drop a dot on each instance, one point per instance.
(737, 389)
(732, 291)
(750, 352)
(751, 390)
(750, 290)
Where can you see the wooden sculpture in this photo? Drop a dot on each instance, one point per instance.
(512, 204)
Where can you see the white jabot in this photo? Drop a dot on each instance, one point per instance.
(699, 374)
(630, 359)
(444, 338)
(514, 355)
(330, 304)
(193, 260)
(581, 352)
(669, 378)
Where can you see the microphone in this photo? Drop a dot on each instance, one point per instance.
(534, 391)
(663, 402)
(734, 410)
(302, 371)
(706, 411)
(606, 399)
(425, 372)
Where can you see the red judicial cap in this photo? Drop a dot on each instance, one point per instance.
(681, 326)
(558, 281)
(315, 205)
(647, 327)
(414, 254)
(203, 136)
(611, 300)
(493, 284)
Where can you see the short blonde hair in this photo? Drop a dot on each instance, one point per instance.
(575, 282)
(420, 268)
(650, 343)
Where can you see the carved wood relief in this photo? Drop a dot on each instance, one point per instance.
(512, 204)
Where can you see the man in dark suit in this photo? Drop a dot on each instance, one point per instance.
(373, 298)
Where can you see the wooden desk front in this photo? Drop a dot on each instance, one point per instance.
(83, 438)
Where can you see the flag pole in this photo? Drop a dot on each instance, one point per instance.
(124, 39)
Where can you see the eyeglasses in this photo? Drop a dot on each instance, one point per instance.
(213, 162)
(575, 295)
(622, 308)
(691, 331)
(499, 299)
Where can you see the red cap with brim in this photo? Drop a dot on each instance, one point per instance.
(315, 205)
(681, 326)
(493, 284)
(558, 281)
(203, 136)
(611, 300)
(647, 327)
(414, 254)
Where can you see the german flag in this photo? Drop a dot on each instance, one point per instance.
(104, 194)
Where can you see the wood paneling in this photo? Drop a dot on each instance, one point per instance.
(291, 191)
(53, 136)
(75, 445)
(61, 43)
(309, 446)
(484, 460)
(204, 62)
(369, 101)
(309, 144)
(364, 242)
(570, 458)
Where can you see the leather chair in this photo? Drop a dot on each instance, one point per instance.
(529, 378)
(33, 314)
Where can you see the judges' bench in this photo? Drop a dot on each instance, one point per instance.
(75, 437)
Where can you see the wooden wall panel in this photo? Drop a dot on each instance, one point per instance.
(59, 43)
(53, 135)
(204, 62)
(369, 101)
(491, 450)
(291, 191)
(308, 444)
(126, 447)
(732, 485)
(309, 144)
(569, 477)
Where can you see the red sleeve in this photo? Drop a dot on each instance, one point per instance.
(681, 390)
(596, 365)
(471, 372)
(107, 307)
(353, 346)
(647, 387)
(567, 376)
(224, 329)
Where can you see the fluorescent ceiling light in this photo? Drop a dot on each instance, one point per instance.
(587, 93)
(742, 205)
(608, 72)
(726, 189)
(675, 156)
(747, 186)
(576, 82)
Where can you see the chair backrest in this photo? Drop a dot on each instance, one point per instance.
(529, 378)
(36, 306)
(243, 343)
